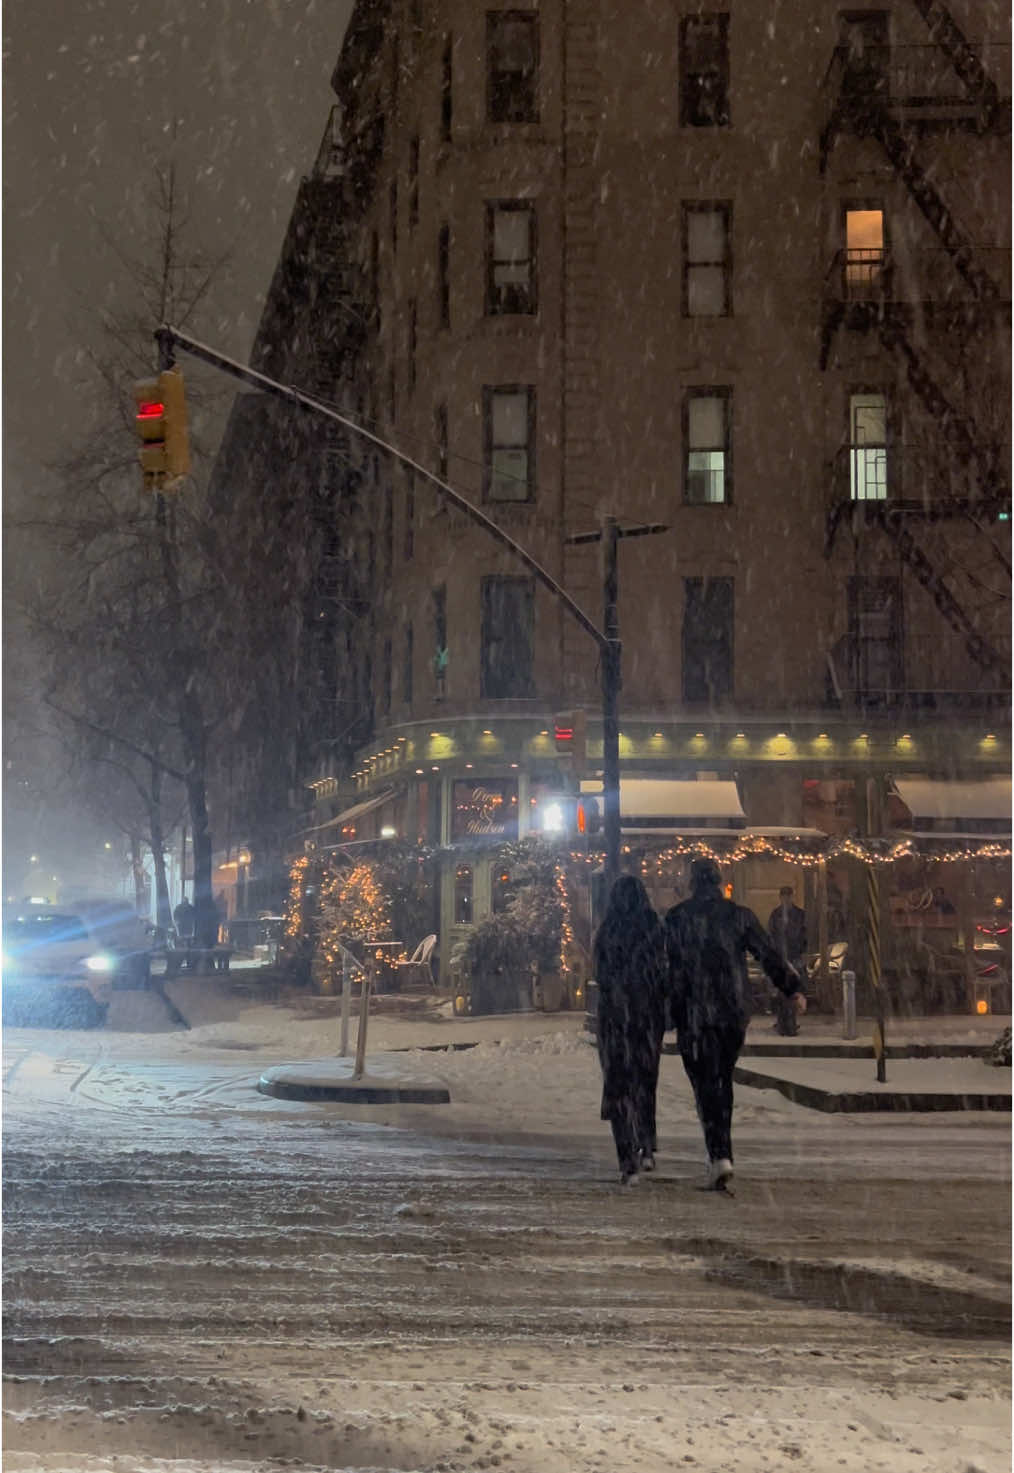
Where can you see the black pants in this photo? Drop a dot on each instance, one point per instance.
(709, 1058)
(633, 1118)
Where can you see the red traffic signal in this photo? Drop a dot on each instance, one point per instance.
(161, 422)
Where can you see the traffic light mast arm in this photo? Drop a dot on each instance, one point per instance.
(169, 337)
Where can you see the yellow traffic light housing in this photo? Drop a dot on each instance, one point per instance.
(161, 421)
(570, 734)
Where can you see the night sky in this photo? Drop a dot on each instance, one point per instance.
(91, 90)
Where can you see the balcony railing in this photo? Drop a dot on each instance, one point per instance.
(910, 477)
(912, 82)
(878, 275)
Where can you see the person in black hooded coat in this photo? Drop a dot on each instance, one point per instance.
(629, 956)
(707, 940)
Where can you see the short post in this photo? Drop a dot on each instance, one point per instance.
(873, 962)
(343, 1047)
(848, 1004)
(364, 1013)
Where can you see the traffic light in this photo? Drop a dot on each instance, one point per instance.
(570, 733)
(161, 421)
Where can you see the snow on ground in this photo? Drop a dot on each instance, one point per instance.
(209, 1280)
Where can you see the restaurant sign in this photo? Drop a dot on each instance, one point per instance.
(486, 808)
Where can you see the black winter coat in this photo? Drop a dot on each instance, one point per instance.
(707, 941)
(630, 971)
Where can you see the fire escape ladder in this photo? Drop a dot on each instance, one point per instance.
(947, 34)
(913, 556)
(899, 147)
(955, 428)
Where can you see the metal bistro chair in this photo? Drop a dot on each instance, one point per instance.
(417, 968)
(836, 954)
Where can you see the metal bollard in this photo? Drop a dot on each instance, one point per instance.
(848, 1004)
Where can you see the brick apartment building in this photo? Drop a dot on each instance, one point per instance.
(741, 271)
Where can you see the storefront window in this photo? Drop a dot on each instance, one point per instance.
(463, 895)
(501, 890)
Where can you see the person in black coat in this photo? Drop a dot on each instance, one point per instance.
(707, 940)
(629, 956)
(787, 928)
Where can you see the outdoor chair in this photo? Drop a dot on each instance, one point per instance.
(417, 969)
(836, 954)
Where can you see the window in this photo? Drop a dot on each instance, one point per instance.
(386, 677)
(388, 528)
(446, 89)
(395, 73)
(509, 435)
(875, 630)
(440, 638)
(512, 52)
(707, 639)
(406, 669)
(865, 40)
(444, 275)
(408, 547)
(707, 438)
(375, 277)
(413, 340)
(868, 447)
(510, 257)
(508, 638)
(463, 895)
(704, 71)
(707, 260)
(413, 182)
(865, 256)
(440, 432)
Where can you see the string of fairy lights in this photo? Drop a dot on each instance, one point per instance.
(359, 908)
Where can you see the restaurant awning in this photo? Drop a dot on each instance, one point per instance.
(957, 810)
(358, 810)
(662, 806)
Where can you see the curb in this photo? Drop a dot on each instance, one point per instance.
(859, 1101)
(356, 1092)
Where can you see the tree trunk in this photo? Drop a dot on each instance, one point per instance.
(137, 869)
(163, 910)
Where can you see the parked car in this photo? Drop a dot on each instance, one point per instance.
(61, 965)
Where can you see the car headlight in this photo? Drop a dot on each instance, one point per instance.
(101, 962)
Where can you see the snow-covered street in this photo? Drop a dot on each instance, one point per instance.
(200, 1277)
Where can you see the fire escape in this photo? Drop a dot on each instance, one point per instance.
(897, 96)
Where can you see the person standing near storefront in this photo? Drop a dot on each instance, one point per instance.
(787, 928)
(707, 940)
(629, 955)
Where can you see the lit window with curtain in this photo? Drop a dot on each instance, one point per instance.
(707, 438)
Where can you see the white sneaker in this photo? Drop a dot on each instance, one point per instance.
(721, 1173)
(647, 1161)
(629, 1178)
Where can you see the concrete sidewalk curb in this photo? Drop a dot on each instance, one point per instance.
(386, 1082)
(884, 1099)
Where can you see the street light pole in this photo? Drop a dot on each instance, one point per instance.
(611, 658)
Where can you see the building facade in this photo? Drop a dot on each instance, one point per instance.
(739, 272)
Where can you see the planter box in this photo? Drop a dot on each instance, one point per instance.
(500, 993)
